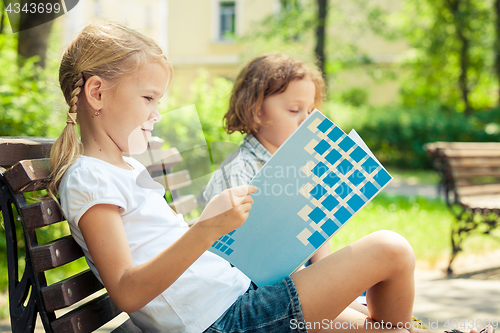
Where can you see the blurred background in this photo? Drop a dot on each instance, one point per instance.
(400, 72)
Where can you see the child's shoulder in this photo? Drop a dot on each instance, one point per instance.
(253, 153)
(90, 169)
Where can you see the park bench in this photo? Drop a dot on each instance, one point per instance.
(470, 181)
(78, 303)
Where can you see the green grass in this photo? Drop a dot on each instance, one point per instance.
(424, 222)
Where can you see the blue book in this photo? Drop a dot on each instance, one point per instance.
(313, 184)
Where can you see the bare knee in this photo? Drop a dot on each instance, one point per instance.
(393, 250)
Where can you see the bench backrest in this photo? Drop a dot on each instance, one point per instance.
(470, 171)
(62, 306)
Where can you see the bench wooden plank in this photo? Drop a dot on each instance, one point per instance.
(14, 149)
(84, 319)
(71, 290)
(483, 202)
(466, 162)
(455, 153)
(175, 180)
(41, 214)
(184, 204)
(55, 254)
(462, 145)
(468, 173)
(478, 190)
(29, 175)
(166, 158)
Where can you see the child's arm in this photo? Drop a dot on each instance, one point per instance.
(132, 287)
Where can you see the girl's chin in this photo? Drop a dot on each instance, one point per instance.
(138, 144)
(136, 150)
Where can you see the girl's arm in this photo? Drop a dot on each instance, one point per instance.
(132, 287)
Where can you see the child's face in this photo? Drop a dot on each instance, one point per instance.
(133, 108)
(285, 112)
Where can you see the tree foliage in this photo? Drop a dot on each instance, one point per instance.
(28, 98)
(452, 53)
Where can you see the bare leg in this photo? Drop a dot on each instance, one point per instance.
(360, 308)
(382, 263)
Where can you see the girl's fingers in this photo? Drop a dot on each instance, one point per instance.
(231, 197)
(246, 207)
(243, 190)
(248, 198)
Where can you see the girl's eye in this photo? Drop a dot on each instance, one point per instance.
(294, 111)
(148, 98)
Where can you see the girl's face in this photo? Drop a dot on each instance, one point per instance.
(133, 109)
(285, 112)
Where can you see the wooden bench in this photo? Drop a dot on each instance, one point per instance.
(69, 305)
(470, 181)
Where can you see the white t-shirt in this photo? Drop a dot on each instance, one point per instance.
(205, 290)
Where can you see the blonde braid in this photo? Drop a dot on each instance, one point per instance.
(68, 142)
(71, 119)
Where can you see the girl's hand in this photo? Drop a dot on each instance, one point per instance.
(227, 211)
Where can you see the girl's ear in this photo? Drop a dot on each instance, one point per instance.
(259, 113)
(257, 116)
(93, 90)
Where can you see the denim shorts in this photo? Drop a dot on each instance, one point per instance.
(269, 309)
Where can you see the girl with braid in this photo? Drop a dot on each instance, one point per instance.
(152, 264)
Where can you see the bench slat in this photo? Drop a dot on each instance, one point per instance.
(454, 153)
(490, 201)
(41, 214)
(29, 175)
(471, 173)
(71, 290)
(465, 191)
(184, 204)
(55, 254)
(175, 180)
(84, 319)
(167, 157)
(14, 149)
(462, 145)
(465, 162)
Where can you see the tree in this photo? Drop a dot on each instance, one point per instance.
(320, 34)
(497, 56)
(34, 31)
(451, 60)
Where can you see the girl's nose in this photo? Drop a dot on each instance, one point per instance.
(303, 116)
(156, 116)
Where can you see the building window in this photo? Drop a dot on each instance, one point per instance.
(227, 19)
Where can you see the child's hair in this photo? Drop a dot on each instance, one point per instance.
(110, 51)
(262, 77)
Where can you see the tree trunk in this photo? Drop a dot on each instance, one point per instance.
(497, 59)
(320, 35)
(2, 8)
(34, 34)
(460, 27)
(463, 81)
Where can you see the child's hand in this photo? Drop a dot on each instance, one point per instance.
(228, 210)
